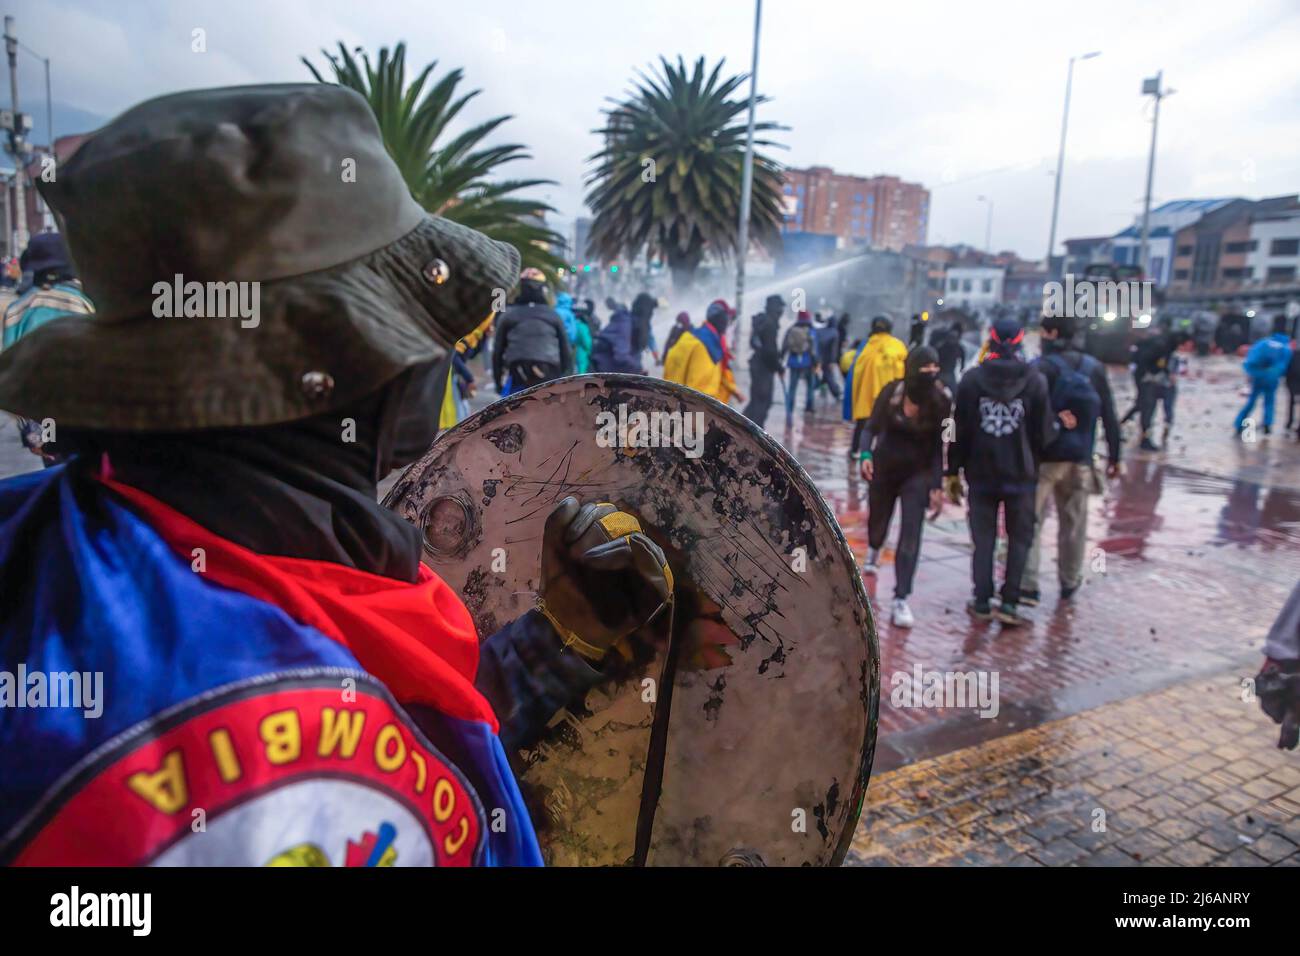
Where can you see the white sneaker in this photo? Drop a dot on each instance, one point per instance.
(902, 616)
(872, 564)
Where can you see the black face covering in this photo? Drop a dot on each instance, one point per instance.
(304, 489)
(918, 386)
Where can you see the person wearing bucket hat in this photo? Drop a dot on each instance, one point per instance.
(264, 641)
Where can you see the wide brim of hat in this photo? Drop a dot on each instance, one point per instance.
(353, 327)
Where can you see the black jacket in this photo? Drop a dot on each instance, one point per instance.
(952, 358)
(1109, 420)
(530, 333)
(1004, 421)
(904, 447)
(766, 354)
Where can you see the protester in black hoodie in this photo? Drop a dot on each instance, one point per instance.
(1004, 421)
(952, 357)
(764, 359)
(530, 344)
(902, 459)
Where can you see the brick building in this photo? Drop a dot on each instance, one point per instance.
(1238, 246)
(878, 212)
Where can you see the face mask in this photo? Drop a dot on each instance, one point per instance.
(919, 386)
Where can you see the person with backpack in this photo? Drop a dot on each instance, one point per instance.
(1080, 394)
(619, 344)
(531, 343)
(902, 458)
(1154, 364)
(1004, 423)
(799, 359)
(764, 359)
(879, 361)
(1266, 363)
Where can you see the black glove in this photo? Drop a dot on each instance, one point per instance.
(602, 578)
(1278, 688)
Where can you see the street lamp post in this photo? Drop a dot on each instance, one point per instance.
(747, 176)
(988, 224)
(1060, 156)
(19, 226)
(1150, 87)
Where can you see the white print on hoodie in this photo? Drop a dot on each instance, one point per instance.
(999, 418)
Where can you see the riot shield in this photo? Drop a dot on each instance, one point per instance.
(738, 729)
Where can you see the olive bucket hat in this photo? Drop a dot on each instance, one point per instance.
(254, 257)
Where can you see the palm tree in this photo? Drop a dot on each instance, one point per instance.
(668, 178)
(455, 178)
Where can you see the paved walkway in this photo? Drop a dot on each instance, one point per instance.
(1188, 776)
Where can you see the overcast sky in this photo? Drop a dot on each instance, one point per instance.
(963, 97)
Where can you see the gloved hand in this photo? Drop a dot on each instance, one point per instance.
(1278, 687)
(602, 577)
(952, 486)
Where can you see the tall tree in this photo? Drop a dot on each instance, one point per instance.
(668, 178)
(454, 177)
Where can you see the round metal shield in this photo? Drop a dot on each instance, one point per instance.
(739, 728)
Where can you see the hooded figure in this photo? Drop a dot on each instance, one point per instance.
(531, 342)
(700, 358)
(614, 349)
(1004, 422)
(1265, 365)
(878, 362)
(952, 356)
(902, 457)
(798, 349)
(764, 359)
(578, 331)
(213, 553)
(680, 325)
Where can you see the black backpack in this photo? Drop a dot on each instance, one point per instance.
(1073, 391)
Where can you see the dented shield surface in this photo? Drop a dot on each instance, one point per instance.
(739, 730)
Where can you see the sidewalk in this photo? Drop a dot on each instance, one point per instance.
(1188, 776)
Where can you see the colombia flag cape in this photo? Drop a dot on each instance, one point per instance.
(168, 697)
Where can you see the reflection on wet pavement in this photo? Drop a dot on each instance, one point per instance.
(1191, 554)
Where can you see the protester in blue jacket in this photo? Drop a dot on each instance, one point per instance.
(1266, 363)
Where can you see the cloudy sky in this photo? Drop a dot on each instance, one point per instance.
(963, 97)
